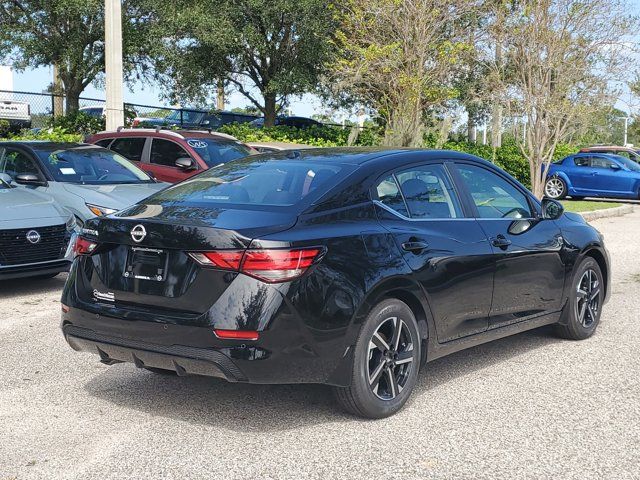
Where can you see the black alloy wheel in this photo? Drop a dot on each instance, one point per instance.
(582, 313)
(386, 362)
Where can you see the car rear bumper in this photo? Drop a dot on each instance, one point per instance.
(181, 359)
(34, 269)
(281, 354)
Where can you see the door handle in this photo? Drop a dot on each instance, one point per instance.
(415, 247)
(501, 242)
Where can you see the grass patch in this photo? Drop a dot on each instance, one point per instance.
(587, 206)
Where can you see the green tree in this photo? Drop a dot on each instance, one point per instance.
(70, 35)
(562, 56)
(397, 57)
(268, 50)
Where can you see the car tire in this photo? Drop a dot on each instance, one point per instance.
(386, 362)
(584, 306)
(555, 187)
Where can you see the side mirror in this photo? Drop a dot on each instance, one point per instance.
(30, 179)
(551, 209)
(6, 178)
(185, 163)
(614, 166)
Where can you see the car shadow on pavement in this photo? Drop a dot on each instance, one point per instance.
(260, 408)
(31, 286)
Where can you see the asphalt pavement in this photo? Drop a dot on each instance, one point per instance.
(529, 406)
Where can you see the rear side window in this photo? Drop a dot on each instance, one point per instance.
(428, 192)
(389, 194)
(129, 148)
(166, 152)
(255, 182)
(581, 161)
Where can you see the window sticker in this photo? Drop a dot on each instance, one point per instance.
(197, 143)
(67, 171)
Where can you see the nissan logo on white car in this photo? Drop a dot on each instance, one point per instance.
(138, 233)
(33, 236)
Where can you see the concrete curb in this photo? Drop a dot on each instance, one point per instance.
(607, 212)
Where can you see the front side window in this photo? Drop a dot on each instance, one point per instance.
(15, 162)
(130, 148)
(216, 152)
(494, 196)
(601, 162)
(91, 166)
(251, 182)
(166, 152)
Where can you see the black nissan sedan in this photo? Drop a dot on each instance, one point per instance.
(347, 267)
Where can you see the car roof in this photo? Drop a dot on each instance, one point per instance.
(591, 152)
(607, 147)
(362, 155)
(165, 133)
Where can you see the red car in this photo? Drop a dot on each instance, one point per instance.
(172, 155)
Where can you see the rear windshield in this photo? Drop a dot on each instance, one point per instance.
(215, 152)
(259, 182)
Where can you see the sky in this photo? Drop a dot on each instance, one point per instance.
(37, 80)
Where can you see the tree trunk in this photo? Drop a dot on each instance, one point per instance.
(471, 130)
(496, 113)
(496, 126)
(220, 95)
(404, 127)
(269, 110)
(72, 92)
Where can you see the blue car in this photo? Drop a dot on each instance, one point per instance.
(593, 175)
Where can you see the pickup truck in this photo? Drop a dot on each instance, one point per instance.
(17, 114)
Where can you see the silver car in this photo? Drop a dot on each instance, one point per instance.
(36, 235)
(87, 180)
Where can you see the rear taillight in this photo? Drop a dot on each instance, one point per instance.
(274, 266)
(84, 246)
(236, 334)
(226, 259)
(271, 266)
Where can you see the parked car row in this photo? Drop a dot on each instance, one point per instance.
(202, 119)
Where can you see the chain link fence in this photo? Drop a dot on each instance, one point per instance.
(39, 108)
(42, 106)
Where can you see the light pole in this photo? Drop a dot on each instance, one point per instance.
(114, 110)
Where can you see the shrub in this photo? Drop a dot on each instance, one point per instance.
(5, 128)
(316, 136)
(55, 134)
(78, 122)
